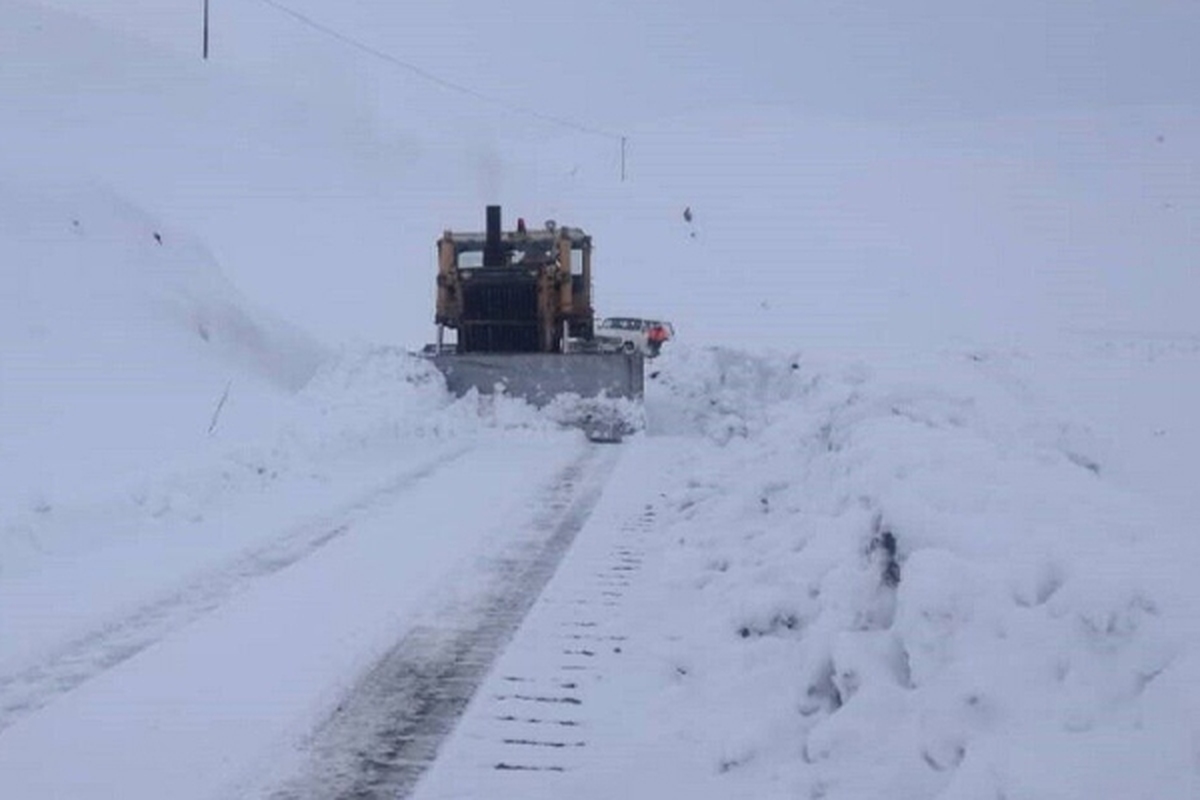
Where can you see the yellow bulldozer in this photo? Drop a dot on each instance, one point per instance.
(519, 306)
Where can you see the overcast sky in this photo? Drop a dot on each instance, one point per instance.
(620, 62)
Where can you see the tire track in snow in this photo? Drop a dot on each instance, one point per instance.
(386, 732)
(78, 661)
(529, 731)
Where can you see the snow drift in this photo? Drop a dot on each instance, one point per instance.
(909, 576)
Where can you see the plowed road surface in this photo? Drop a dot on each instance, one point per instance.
(333, 654)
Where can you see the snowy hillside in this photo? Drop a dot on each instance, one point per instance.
(120, 334)
(913, 511)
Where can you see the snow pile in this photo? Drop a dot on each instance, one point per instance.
(905, 583)
(369, 392)
(717, 392)
(373, 394)
(119, 333)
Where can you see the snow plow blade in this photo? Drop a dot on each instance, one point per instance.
(540, 377)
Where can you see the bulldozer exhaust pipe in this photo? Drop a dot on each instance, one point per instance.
(493, 250)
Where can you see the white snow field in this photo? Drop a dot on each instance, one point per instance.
(912, 513)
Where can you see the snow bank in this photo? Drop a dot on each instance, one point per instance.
(903, 577)
(119, 334)
(364, 408)
(717, 392)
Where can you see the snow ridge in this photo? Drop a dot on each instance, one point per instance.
(899, 579)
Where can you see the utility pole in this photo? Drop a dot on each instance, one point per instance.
(206, 30)
(622, 154)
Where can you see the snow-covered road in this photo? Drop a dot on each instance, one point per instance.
(546, 722)
(78, 660)
(386, 731)
(184, 692)
(811, 576)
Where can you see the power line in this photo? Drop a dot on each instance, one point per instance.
(426, 75)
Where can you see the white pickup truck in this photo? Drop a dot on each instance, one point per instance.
(633, 334)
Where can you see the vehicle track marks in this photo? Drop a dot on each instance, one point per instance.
(74, 663)
(582, 621)
(386, 732)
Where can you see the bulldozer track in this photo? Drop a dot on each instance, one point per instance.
(534, 728)
(74, 663)
(386, 731)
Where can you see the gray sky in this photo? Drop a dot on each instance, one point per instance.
(624, 61)
(629, 59)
